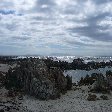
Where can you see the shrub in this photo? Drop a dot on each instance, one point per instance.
(92, 97)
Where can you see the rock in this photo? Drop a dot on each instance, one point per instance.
(104, 97)
(69, 82)
(92, 97)
(10, 93)
(109, 79)
(1, 110)
(20, 97)
(2, 79)
(88, 80)
(34, 77)
(100, 85)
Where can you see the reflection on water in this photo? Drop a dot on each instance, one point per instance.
(77, 74)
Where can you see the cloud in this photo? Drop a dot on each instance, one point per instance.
(101, 1)
(7, 12)
(93, 29)
(61, 26)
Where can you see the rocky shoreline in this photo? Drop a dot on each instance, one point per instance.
(31, 85)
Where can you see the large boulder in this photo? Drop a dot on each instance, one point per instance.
(34, 77)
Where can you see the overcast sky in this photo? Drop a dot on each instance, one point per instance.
(68, 27)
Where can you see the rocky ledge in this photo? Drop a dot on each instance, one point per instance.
(36, 79)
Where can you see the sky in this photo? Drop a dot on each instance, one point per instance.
(56, 27)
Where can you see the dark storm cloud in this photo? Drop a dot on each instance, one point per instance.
(101, 1)
(6, 12)
(93, 29)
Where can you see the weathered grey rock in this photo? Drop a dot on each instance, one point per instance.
(109, 79)
(69, 82)
(100, 85)
(2, 79)
(37, 80)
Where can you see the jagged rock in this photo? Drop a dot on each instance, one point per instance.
(34, 77)
(88, 80)
(69, 82)
(109, 79)
(100, 85)
(2, 79)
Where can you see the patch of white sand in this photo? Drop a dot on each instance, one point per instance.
(72, 101)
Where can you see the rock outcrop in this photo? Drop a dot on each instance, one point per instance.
(2, 79)
(101, 84)
(34, 77)
(69, 82)
(109, 79)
